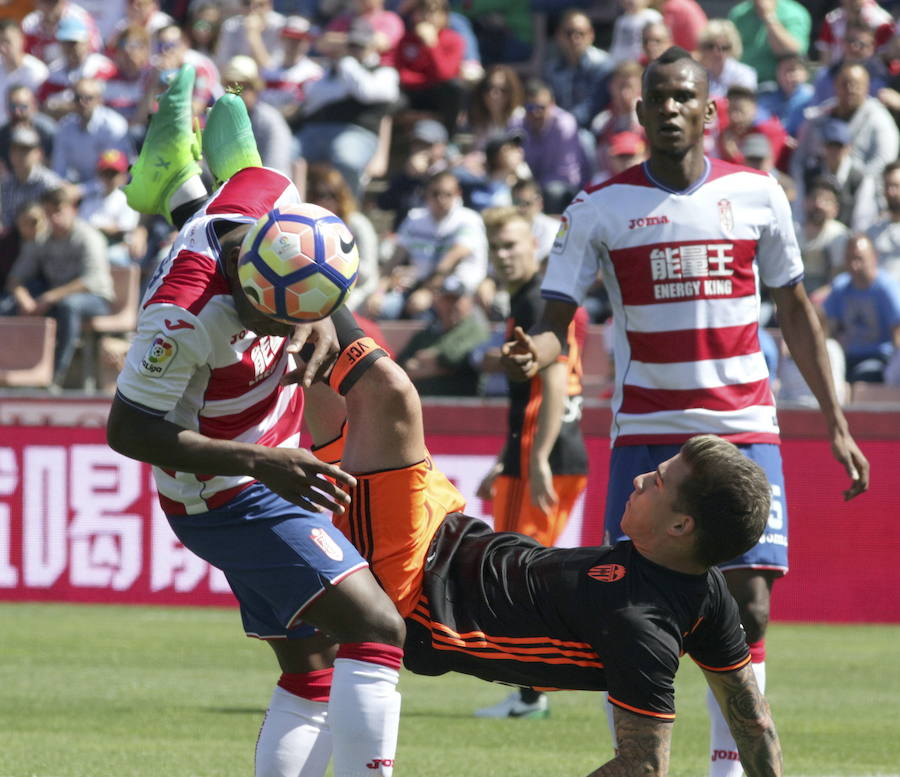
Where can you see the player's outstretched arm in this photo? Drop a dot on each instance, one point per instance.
(643, 747)
(526, 354)
(803, 335)
(295, 474)
(747, 714)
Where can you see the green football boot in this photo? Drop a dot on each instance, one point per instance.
(170, 152)
(228, 142)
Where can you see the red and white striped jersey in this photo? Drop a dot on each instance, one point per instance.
(682, 270)
(194, 363)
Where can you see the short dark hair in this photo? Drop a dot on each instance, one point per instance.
(825, 183)
(727, 495)
(670, 56)
(890, 167)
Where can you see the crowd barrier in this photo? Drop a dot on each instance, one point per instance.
(79, 523)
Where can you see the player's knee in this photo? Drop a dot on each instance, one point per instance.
(383, 624)
(390, 393)
(755, 619)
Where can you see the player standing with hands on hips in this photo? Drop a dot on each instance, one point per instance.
(681, 241)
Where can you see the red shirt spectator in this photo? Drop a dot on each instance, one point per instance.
(421, 64)
(40, 28)
(685, 19)
(834, 27)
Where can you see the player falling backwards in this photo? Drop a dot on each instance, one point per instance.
(503, 607)
(201, 392)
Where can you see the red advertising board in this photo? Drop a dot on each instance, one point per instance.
(80, 523)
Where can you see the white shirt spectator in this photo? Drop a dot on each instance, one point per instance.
(627, 43)
(233, 37)
(287, 86)
(428, 240)
(885, 236)
(31, 73)
(108, 211)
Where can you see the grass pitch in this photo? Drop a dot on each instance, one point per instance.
(94, 691)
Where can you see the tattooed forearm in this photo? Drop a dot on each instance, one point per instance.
(750, 721)
(643, 747)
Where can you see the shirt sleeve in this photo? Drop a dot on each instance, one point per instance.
(161, 362)
(778, 253)
(574, 260)
(717, 642)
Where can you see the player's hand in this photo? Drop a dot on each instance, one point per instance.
(298, 476)
(518, 357)
(485, 488)
(317, 346)
(540, 480)
(847, 452)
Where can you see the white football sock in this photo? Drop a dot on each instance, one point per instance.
(608, 709)
(192, 189)
(759, 669)
(294, 740)
(724, 760)
(364, 717)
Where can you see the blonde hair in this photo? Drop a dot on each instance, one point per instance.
(723, 28)
(497, 218)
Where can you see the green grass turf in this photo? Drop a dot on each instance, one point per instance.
(102, 691)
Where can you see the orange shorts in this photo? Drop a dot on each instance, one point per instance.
(514, 511)
(392, 518)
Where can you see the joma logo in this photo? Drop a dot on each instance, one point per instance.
(647, 221)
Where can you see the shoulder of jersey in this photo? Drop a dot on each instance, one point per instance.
(252, 192)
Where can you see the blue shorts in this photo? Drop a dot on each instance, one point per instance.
(629, 461)
(276, 556)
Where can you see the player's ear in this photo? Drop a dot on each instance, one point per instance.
(709, 114)
(682, 525)
(639, 111)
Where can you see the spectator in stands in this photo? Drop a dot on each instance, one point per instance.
(77, 62)
(203, 24)
(505, 30)
(858, 47)
(505, 164)
(684, 19)
(272, 133)
(655, 39)
(437, 358)
(16, 67)
(341, 116)
(857, 190)
(756, 150)
(526, 197)
(576, 70)
(885, 233)
(790, 95)
(145, 14)
(552, 147)
(625, 150)
(172, 54)
(125, 90)
(822, 238)
(30, 223)
(620, 116)
(22, 109)
(40, 28)
(440, 240)
(83, 135)
(325, 186)
(874, 139)
(720, 53)
(255, 32)
(427, 155)
(28, 178)
(770, 29)
(742, 119)
(388, 26)
(627, 29)
(65, 274)
(429, 60)
(496, 100)
(838, 21)
(105, 209)
(286, 79)
(790, 383)
(863, 312)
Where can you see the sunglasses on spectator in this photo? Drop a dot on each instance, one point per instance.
(19, 106)
(712, 46)
(535, 108)
(525, 203)
(323, 195)
(86, 98)
(498, 88)
(574, 32)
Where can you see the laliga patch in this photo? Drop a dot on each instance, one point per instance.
(562, 236)
(328, 546)
(159, 356)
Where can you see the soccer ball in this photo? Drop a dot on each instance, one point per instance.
(298, 263)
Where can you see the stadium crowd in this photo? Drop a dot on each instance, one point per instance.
(409, 118)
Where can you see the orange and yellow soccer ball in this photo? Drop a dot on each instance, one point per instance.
(298, 263)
